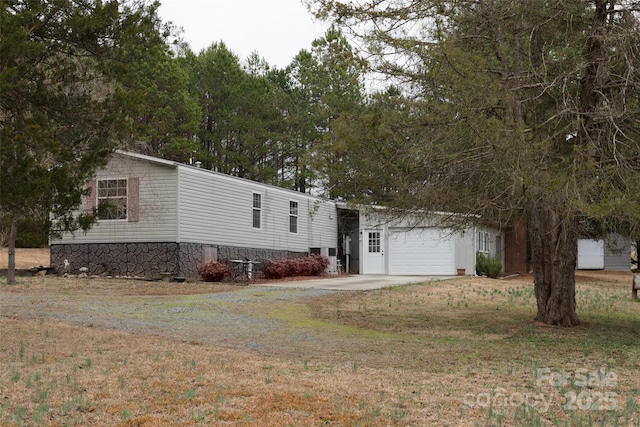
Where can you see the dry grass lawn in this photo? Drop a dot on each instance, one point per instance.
(456, 352)
(26, 258)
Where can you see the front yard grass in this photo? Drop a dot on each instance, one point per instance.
(460, 352)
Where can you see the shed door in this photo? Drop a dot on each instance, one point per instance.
(590, 254)
(373, 252)
(428, 251)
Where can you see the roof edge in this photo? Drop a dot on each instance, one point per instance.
(146, 158)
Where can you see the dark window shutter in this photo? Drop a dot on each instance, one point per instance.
(91, 198)
(133, 204)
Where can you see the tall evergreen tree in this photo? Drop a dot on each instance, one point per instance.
(257, 119)
(322, 84)
(241, 115)
(518, 109)
(63, 107)
(217, 73)
(164, 114)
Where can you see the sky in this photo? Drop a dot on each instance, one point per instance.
(276, 29)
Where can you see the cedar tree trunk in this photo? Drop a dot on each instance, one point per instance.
(554, 250)
(11, 270)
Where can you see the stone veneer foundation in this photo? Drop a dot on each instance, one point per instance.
(152, 260)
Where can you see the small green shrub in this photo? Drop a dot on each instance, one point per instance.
(489, 266)
(214, 271)
(481, 263)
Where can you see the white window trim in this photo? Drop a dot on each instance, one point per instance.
(98, 198)
(296, 216)
(484, 242)
(254, 209)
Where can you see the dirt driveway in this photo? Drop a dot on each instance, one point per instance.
(356, 282)
(271, 319)
(243, 317)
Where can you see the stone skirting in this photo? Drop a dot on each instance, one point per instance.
(152, 259)
(230, 252)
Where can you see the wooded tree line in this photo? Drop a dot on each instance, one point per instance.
(80, 79)
(244, 117)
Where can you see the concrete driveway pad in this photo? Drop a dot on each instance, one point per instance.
(358, 282)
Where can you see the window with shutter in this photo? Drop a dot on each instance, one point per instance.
(133, 203)
(117, 198)
(112, 199)
(90, 198)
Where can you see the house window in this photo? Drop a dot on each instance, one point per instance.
(293, 217)
(112, 199)
(374, 242)
(257, 210)
(483, 241)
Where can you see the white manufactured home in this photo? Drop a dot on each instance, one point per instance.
(170, 217)
(165, 217)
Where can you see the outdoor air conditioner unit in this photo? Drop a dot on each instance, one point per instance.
(331, 254)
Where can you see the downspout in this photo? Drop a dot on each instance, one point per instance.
(476, 247)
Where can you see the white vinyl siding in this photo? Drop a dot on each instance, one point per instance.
(218, 209)
(420, 245)
(156, 215)
(185, 204)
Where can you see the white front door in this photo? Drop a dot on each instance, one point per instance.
(373, 248)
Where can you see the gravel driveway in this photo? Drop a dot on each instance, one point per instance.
(246, 318)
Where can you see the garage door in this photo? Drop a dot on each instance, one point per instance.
(590, 254)
(421, 251)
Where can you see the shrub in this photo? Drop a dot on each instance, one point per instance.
(275, 268)
(494, 267)
(489, 266)
(214, 271)
(481, 263)
(313, 265)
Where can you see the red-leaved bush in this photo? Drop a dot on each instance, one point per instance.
(214, 271)
(313, 265)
